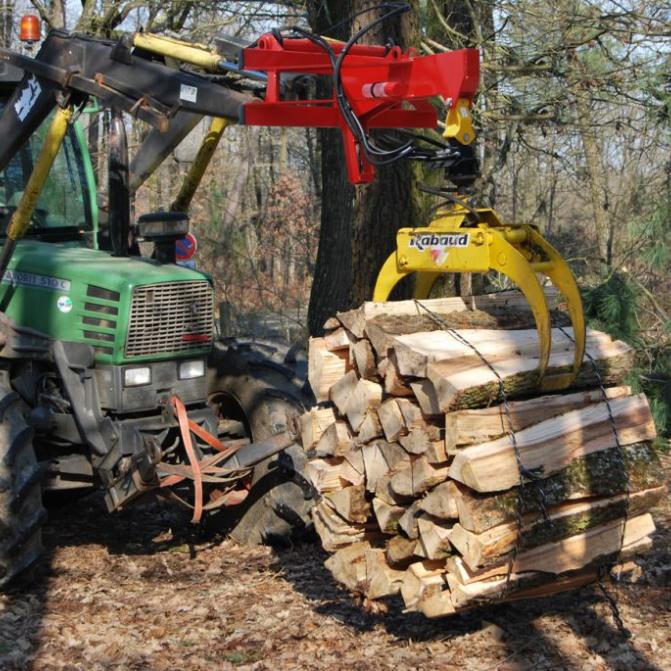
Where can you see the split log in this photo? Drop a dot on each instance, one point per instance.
(325, 368)
(334, 531)
(348, 565)
(341, 391)
(463, 385)
(394, 385)
(381, 457)
(313, 424)
(350, 503)
(365, 396)
(421, 580)
(417, 477)
(382, 581)
(573, 553)
(408, 522)
(522, 586)
(553, 444)
(441, 502)
(465, 427)
(426, 396)
(400, 552)
(356, 320)
(387, 516)
(332, 474)
(364, 358)
(391, 419)
(434, 539)
(335, 441)
(370, 428)
(339, 339)
(492, 546)
(415, 350)
(601, 474)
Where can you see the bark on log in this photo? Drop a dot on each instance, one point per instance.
(601, 474)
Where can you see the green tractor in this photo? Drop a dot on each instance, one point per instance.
(111, 374)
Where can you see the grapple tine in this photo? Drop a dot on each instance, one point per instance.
(424, 283)
(561, 276)
(506, 259)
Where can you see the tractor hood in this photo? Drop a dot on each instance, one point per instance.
(73, 293)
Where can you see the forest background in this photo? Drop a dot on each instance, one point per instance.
(574, 124)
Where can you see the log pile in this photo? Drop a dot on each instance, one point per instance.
(419, 478)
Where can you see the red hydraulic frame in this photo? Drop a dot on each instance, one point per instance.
(386, 88)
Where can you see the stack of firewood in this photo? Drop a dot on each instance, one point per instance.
(418, 475)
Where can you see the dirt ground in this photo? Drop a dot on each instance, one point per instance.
(141, 590)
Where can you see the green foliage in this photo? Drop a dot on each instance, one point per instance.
(611, 306)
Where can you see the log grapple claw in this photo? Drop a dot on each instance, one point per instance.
(464, 240)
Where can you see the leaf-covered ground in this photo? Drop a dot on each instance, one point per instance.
(140, 590)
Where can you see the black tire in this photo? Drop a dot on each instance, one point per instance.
(264, 385)
(21, 511)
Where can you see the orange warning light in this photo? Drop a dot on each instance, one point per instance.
(31, 28)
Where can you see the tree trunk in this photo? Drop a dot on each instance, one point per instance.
(358, 226)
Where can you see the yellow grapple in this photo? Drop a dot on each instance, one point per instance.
(453, 243)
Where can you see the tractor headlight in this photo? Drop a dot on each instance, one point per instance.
(188, 370)
(136, 377)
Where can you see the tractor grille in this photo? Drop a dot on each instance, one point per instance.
(170, 317)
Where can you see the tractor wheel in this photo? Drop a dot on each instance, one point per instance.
(21, 511)
(262, 387)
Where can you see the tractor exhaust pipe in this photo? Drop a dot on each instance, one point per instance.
(118, 196)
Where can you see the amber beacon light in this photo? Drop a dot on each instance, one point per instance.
(31, 29)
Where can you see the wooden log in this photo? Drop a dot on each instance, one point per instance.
(470, 386)
(339, 339)
(334, 531)
(465, 427)
(400, 552)
(341, 391)
(394, 385)
(375, 464)
(365, 396)
(503, 301)
(325, 368)
(435, 452)
(381, 457)
(387, 516)
(415, 350)
(332, 474)
(382, 581)
(408, 521)
(335, 441)
(601, 474)
(569, 554)
(434, 539)
(348, 565)
(437, 604)
(313, 424)
(552, 445)
(391, 419)
(490, 547)
(441, 502)
(412, 414)
(526, 585)
(420, 441)
(370, 428)
(350, 503)
(364, 359)
(422, 579)
(425, 393)
(417, 477)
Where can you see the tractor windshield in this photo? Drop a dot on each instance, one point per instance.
(64, 207)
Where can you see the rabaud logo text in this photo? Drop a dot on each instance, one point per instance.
(422, 241)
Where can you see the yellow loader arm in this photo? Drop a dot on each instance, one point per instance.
(451, 244)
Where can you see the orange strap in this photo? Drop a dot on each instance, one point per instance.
(184, 427)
